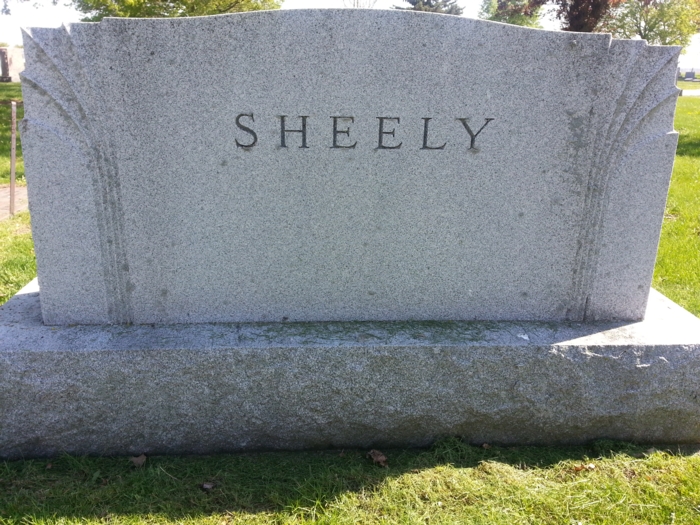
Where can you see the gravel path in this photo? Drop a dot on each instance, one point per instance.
(20, 200)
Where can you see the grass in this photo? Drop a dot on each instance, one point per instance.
(8, 92)
(17, 263)
(451, 482)
(688, 85)
(677, 271)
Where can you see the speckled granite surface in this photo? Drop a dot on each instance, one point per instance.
(343, 171)
(224, 387)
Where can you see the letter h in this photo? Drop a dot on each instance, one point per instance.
(284, 131)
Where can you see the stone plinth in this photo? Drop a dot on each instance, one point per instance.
(225, 387)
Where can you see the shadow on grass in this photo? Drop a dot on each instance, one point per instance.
(688, 145)
(172, 487)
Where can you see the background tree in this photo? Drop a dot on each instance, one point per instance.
(663, 22)
(96, 10)
(360, 4)
(575, 15)
(517, 12)
(583, 15)
(447, 7)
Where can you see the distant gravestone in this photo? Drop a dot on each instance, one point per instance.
(287, 167)
(690, 75)
(15, 58)
(4, 66)
(343, 228)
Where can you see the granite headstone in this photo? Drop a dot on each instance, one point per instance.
(442, 200)
(344, 165)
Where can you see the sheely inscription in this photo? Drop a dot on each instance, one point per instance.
(340, 132)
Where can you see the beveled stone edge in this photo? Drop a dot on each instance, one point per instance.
(21, 329)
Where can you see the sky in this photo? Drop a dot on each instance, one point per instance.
(24, 14)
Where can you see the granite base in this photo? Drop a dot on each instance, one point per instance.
(206, 388)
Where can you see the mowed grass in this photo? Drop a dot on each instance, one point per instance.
(8, 92)
(452, 482)
(17, 261)
(677, 271)
(682, 84)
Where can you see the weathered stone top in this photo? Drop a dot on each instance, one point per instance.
(340, 165)
(667, 326)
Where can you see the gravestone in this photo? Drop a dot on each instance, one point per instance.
(266, 230)
(15, 58)
(4, 66)
(690, 75)
(289, 169)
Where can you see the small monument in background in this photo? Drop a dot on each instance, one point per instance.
(387, 243)
(11, 63)
(4, 66)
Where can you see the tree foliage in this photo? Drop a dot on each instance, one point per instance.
(5, 10)
(447, 7)
(517, 12)
(583, 15)
(96, 10)
(662, 22)
(359, 4)
(575, 15)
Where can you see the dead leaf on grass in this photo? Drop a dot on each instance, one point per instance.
(486, 446)
(49, 465)
(139, 461)
(208, 485)
(378, 458)
(579, 468)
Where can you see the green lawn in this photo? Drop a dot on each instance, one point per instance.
(605, 483)
(688, 85)
(452, 482)
(677, 272)
(17, 262)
